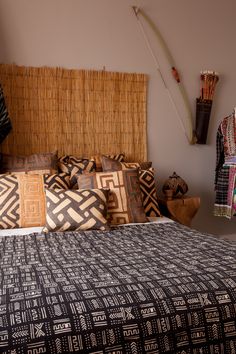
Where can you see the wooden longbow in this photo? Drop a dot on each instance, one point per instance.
(190, 134)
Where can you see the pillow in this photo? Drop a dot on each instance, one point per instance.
(97, 158)
(61, 181)
(36, 163)
(22, 198)
(149, 193)
(109, 164)
(76, 209)
(146, 180)
(74, 166)
(125, 199)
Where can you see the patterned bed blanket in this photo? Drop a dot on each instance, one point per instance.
(152, 288)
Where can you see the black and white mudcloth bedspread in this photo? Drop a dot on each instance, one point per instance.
(155, 288)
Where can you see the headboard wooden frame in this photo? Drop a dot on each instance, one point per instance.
(79, 112)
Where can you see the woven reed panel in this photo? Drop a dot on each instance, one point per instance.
(76, 112)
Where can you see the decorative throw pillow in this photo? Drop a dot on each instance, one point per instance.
(60, 181)
(22, 201)
(146, 180)
(76, 209)
(75, 166)
(98, 158)
(149, 193)
(125, 199)
(109, 164)
(36, 163)
(22, 198)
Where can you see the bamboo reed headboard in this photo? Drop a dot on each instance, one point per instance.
(76, 112)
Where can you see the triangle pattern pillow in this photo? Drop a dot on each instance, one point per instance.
(149, 193)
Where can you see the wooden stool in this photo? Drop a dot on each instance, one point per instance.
(181, 209)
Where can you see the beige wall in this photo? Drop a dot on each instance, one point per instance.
(96, 33)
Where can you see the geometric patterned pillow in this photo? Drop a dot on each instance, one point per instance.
(60, 180)
(22, 198)
(22, 201)
(98, 160)
(74, 166)
(76, 209)
(125, 199)
(146, 180)
(149, 193)
(109, 164)
(36, 163)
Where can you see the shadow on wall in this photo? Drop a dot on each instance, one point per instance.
(4, 52)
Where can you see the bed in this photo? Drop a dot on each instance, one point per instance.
(134, 287)
(145, 288)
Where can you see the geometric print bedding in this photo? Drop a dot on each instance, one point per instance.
(152, 289)
(76, 209)
(125, 199)
(22, 198)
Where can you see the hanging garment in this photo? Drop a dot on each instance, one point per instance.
(225, 172)
(5, 123)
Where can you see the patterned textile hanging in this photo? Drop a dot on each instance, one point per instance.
(5, 123)
(225, 173)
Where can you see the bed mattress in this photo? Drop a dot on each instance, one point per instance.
(150, 288)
